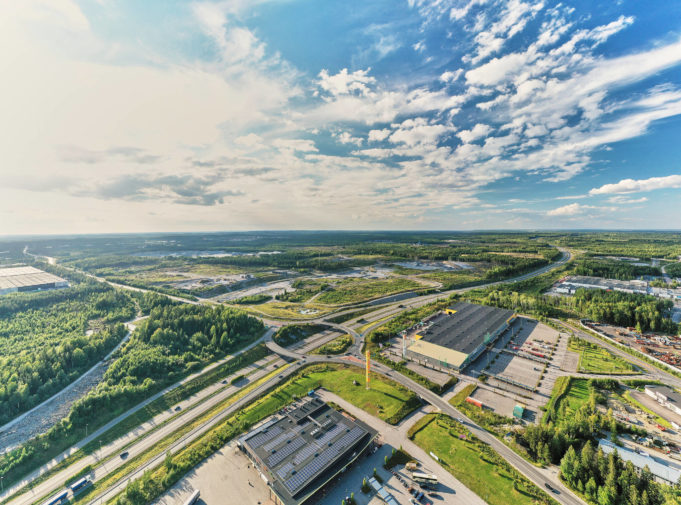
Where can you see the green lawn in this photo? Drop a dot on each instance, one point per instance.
(336, 346)
(595, 359)
(474, 463)
(356, 290)
(568, 391)
(386, 399)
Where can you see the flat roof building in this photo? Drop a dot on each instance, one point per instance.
(22, 279)
(459, 335)
(301, 450)
(662, 471)
(665, 396)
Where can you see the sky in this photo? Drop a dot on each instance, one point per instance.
(170, 115)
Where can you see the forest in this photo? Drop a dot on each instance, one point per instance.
(620, 270)
(175, 340)
(43, 341)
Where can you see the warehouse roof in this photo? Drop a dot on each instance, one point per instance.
(438, 353)
(465, 326)
(307, 447)
(657, 467)
(22, 277)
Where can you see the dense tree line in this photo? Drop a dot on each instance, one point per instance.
(568, 437)
(674, 269)
(614, 270)
(172, 342)
(175, 340)
(607, 480)
(646, 313)
(43, 341)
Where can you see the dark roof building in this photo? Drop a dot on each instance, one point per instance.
(457, 336)
(304, 448)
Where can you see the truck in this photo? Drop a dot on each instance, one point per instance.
(192, 499)
(60, 498)
(80, 484)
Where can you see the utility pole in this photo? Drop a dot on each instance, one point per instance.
(368, 369)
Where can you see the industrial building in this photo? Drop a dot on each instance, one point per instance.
(663, 472)
(457, 336)
(665, 396)
(22, 279)
(570, 284)
(300, 450)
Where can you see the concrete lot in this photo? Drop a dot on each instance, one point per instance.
(226, 477)
(502, 405)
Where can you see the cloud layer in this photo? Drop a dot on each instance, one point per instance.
(458, 112)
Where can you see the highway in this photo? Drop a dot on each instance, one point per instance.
(390, 308)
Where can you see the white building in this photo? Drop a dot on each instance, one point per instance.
(665, 396)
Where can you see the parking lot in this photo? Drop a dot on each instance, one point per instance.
(227, 473)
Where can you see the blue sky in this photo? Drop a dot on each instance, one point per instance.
(293, 114)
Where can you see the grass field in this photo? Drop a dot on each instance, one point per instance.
(474, 463)
(595, 359)
(336, 346)
(568, 391)
(386, 399)
(288, 310)
(357, 290)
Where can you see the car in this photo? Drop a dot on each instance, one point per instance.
(124, 454)
(178, 408)
(281, 376)
(328, 356)
(224, 381)
(548, 486)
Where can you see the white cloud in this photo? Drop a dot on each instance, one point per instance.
(379, 135)
(567, 210)
(635, 186)
(451, 76)
(344, 83)
(420, 46)
(249, 140)
(623, 200)
(347, 138)
(478, 131)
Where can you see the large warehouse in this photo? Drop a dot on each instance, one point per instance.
(457, 336)
(299, 452)
(20, 279)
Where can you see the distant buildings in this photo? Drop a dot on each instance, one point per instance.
(22, 279)
(456, 337)
(570, 284)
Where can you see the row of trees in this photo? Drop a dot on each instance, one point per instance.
(43, 341)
